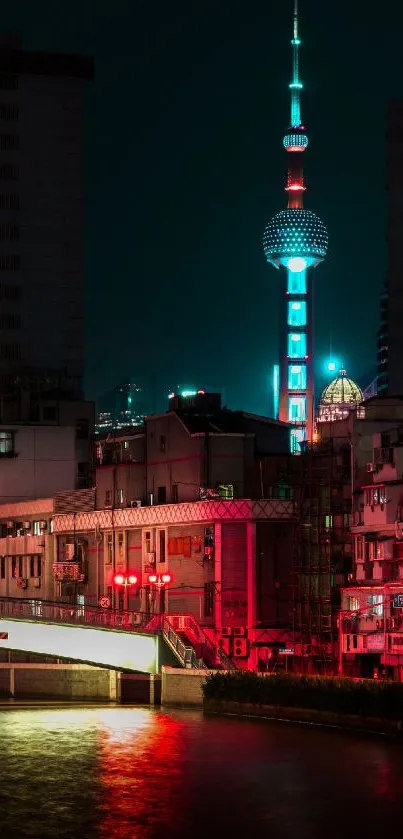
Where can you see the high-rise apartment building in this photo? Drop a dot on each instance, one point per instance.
(41, 220)
(390, 333)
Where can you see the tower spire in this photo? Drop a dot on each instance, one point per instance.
(296, 85)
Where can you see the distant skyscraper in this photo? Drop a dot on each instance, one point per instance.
(41, 219)
(296, 239)
(124, 406)
(390, 333)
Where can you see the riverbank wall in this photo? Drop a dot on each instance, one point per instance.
(307, 716)
(182, 688)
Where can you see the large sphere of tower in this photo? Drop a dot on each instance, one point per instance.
(295, 234)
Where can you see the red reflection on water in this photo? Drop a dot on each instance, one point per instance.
(141, 774)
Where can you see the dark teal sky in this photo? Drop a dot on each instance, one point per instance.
(185, 165)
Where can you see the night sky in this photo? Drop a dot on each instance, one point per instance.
(185, 165)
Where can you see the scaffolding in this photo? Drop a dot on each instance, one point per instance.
(319, 477)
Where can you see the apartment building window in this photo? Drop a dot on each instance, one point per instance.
(109, 549)
(2, 568)
(120, 544)
(121, 497)
(375, 496)
(9, 172)
(163, 443)
(10, 321)
(208, 600)
(108, 498)
(375, 601)
(10, 292)
(9, 142)
(9, 232)
(359, 549)
(175, 493)
(353, 604)
(147, 542)
(9, 262)
(8, 81)
(162, 546)
(9, 111)
(37, 529)
(35, 566)
(82, 429)
(6, 443)
(10, 352)
(16, 566)
(161, 495)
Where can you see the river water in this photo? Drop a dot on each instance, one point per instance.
(133, 773)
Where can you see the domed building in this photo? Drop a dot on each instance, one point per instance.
(340, 397)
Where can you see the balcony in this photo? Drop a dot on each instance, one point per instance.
(22, 545)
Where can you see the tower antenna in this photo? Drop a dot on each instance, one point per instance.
(295, 85)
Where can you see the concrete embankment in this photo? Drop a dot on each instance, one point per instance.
(306, 716)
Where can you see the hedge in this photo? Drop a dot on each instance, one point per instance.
(364, 697)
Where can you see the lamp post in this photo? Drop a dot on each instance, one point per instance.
(125, 581)
(159, 581)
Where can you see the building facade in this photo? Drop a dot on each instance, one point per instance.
(372, 609)
(390, 333)
(41, 224)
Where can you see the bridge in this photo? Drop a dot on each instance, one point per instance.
(127, 641)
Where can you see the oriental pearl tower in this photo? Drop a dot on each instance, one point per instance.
(296, 240)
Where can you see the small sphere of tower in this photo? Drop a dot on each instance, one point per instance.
(295, 140)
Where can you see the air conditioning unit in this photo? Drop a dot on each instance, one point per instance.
(120, 620)
(370, 467)
(136, 618)
(240, 631)
(36, 582)
(227, 631)
(240, 648)
(225, 645)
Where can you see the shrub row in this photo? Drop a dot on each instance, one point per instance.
(364, 697)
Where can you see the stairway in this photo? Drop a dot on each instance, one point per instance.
(189, 643)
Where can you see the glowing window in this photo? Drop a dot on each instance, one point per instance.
(297, 408)
(297, 436)
(296, 345)
(296, 313)
(297, 377)
(296, 282)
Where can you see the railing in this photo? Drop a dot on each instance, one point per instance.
(186, 655)
(188, 623)
(60, 612)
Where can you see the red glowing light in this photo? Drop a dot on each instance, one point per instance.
(132, 579)
(201, 392)
(152, 578)
(166, 578)
(295, 188)
(119, 579)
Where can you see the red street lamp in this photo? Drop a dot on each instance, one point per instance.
(125, 580)
(160, 581)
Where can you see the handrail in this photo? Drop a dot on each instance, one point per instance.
(80, 615)
(186, 655)
(190, 622)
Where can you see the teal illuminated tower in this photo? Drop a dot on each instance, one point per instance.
(296, 240)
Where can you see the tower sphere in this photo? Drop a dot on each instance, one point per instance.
(295, 233)
(295, 140)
